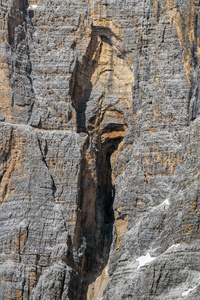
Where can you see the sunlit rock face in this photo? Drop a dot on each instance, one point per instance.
(100, 149)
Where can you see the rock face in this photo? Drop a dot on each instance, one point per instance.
(100, 149)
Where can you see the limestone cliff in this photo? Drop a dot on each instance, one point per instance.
(100, 149)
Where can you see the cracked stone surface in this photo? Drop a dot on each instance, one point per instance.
(99, 149)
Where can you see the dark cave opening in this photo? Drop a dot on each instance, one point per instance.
(94, 229)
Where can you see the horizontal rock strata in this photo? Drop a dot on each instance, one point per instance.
(100, 149)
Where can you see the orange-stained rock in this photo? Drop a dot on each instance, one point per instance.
(99, 149)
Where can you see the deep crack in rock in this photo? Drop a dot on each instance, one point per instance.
(105, 127)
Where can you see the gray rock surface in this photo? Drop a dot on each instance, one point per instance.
(99, 151)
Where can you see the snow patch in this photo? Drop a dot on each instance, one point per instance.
(33, 6)
(173, 246)
(143, 260)
(164, 203)
(188, 291)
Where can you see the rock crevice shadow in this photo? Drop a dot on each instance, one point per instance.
(105, 126)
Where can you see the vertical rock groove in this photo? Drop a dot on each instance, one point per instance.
(105, 126)
(99, 149)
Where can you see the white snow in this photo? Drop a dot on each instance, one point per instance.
(33, 6)
(174, 246)
(143, 260)
(164, 203)
(188, 291)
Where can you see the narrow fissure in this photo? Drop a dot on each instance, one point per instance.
(43, 156)
(94, 228)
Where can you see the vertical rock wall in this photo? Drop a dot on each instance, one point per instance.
(99, 152)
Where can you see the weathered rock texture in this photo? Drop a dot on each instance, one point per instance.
(99, 152)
